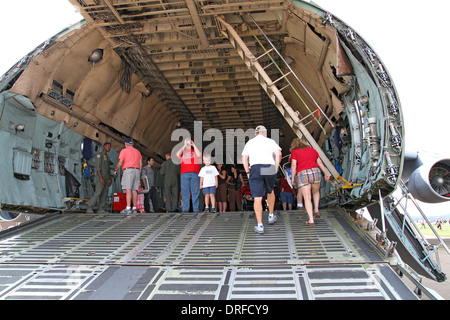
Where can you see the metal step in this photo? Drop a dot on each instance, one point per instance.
(193, 256)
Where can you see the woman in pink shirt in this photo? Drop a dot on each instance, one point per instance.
(305, 164)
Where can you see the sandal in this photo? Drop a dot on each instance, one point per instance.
(317, 214)
(311, 224)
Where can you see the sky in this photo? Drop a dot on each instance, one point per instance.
(408, 36)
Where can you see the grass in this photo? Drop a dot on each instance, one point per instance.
(445, 232)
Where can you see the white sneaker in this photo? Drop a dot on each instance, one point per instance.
(259, 229)
(126, 210)
(273, 219)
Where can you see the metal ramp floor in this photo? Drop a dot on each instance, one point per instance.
(174, 256)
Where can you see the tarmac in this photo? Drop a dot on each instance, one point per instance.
(442, 288)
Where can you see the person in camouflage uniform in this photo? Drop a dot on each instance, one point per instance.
(103, 180)
(171, 173)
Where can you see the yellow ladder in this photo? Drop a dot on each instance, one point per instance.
(291, 116)
(284, 76)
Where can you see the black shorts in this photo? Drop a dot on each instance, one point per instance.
(262, 179)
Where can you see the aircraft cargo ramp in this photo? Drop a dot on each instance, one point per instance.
(174, 256)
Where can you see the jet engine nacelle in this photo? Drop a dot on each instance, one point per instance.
(429, 177)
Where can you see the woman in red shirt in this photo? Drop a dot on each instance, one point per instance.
(305, 163)
(190, 157)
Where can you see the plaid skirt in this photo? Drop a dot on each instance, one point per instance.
(308, 176)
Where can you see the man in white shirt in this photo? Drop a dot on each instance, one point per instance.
(261, 157)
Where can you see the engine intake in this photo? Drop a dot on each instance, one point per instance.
(431, 182)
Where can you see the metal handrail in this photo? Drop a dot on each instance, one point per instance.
(409, 196)
(312, 113)
(291, 116)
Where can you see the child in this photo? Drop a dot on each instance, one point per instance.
(209, 182)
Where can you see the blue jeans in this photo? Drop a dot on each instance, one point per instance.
(190, 184)
(287, 197)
